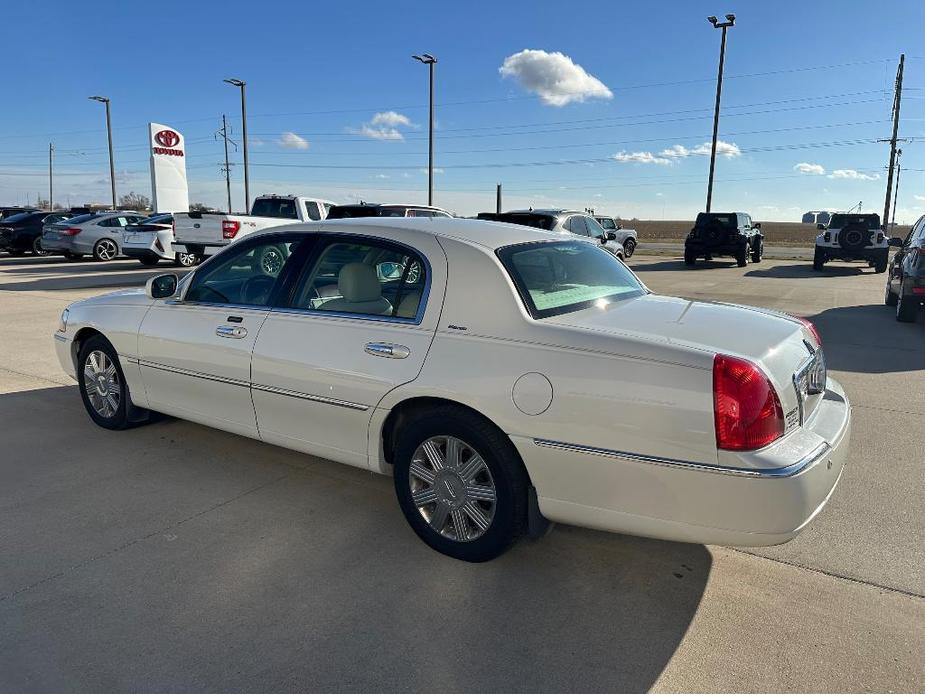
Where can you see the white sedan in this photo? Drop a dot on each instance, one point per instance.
(480, 364)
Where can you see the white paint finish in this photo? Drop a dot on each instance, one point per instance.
(182, 337)
(532, 393)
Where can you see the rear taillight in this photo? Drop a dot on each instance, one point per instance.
(813, 330)
(230, 228)
(73, 231)
(746, 409)
(158, 245)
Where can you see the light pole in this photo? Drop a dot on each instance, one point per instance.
(247, 187)
(430, 61)
(730, 21)
(112, 166)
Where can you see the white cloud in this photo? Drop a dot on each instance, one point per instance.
(807, 168)
(384, 126)
(641, 158)
(920, 198)
(553, 77)
(675, 152)
(854, 175)
(292, 141)
(391, 119)
(723, 149)
(380, 176)
(437, 170)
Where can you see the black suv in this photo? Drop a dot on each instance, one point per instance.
(371, 209)
(724, 233)
(905, 281)
(23, 232)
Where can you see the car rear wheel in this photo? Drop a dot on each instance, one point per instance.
(880, 264)
(37, 247)
(689, 258)
(460, 484)
(742, 256)
(102, 384)
(149, 261)
(105, 250)
(907, 308)
(73, 256)
(186, 259)
(757, 251)
(629, 246)
(890, 298)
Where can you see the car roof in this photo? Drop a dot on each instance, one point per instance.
(477, 232)
(546, 211)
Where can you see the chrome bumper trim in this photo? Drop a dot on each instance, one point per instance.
(805, 463)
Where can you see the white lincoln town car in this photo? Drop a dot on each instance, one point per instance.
(480, 364)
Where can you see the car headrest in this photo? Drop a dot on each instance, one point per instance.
(358, 282)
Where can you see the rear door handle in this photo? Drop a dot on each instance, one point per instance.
(387, 349)
(233, 331)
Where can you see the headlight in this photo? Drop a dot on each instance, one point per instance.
(62, 325)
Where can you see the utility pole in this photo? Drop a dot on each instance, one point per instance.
(242, 85)
(112, 166)
(51, 179)
(730, 22)
(899, 170)
(429, 60)
(227, 168)
(897, 100)
(498, 199)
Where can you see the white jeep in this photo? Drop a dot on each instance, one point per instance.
(852, 237)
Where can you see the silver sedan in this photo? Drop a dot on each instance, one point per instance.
(99, 234)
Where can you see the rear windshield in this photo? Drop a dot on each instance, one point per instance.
(81, 218)
(560, 277)
(351, 211)
(839, 221)
(280, 208)
(157, 219)
(727, 220)
(539, 221)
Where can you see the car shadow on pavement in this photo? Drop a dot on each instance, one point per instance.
(805, 271)
(174, 553)
(675, 265)
(868, 339)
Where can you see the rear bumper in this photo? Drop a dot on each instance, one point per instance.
(839, 253)
(144, 253)
(200, 249)
(701, 248)
(16, 242)
(63, 243)
(760, 498)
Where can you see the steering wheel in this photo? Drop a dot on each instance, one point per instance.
(256, 290)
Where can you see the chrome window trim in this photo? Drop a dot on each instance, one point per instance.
(315, 313)
(805, 463)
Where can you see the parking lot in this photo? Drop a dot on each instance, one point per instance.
(176, 557)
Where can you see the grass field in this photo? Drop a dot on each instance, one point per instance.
(775, 233)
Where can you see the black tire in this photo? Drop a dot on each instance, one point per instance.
(148, 261)
(880, 264)
(629, 246)
(37, 247)
(690, 259)
(509, 520)
(854, 237)
(889, 297)
(757, 251)
(105, 250)
(742, 256)
(907, 308)
(73, 256)
(119, 418)
(818, 260)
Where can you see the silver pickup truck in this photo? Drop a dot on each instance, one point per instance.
(206, 233)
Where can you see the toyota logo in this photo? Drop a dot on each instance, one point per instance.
(167, 138)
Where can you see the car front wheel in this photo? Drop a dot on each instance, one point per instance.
(757, 251)
(37, 247)
(818, 260)
(890, 298)
(629, 246)
(460, 484)
(102, 384)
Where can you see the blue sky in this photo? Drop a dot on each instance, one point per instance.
(622, 130)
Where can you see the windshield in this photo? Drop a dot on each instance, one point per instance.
(281, 208)
(606, 222)
(839, 221)
(539, 221)
(560, 277)
(726, 220)
(351, 211)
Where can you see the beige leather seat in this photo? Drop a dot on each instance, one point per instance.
(408, 306)
(360, 292)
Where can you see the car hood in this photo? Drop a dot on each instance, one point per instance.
(123, 297)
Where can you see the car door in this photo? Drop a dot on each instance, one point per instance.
(195, 351)
(358, 323)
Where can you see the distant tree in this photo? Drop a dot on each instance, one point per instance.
(198, 207)
(135, 201)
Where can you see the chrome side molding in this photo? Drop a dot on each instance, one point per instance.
(770, 473)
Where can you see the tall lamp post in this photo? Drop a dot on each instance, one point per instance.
(730, 21)
(430, 61)
(112, 166)
(247, 188)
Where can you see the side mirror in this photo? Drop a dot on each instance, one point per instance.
(756, 225)
(611, 236)
(820, 227)
(619, 226)
(895, 241)
(161, 287)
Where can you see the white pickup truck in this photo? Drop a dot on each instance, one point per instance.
(206, 233)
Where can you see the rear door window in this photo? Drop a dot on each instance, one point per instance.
(280, 208)
(576, 225)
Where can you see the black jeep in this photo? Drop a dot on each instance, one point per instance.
(724, 233)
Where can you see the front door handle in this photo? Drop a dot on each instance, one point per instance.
(387, 349)
(233, 331)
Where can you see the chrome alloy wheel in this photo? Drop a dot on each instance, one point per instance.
(101, 382)
(452, 488)
(106, 249)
